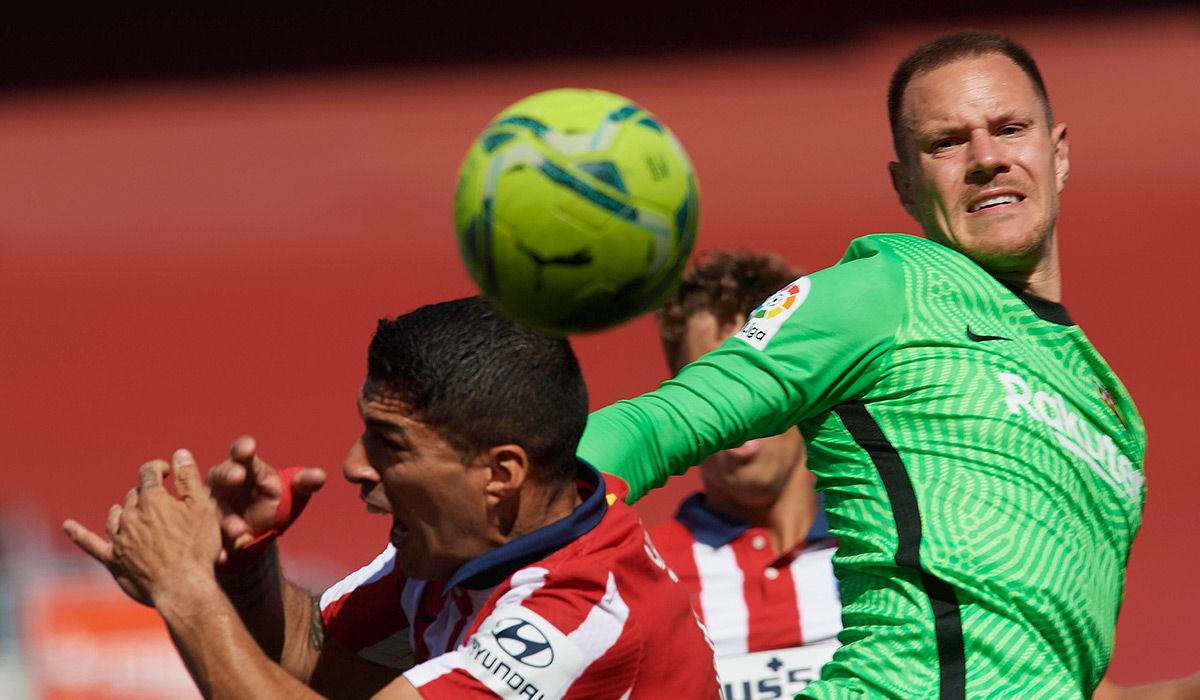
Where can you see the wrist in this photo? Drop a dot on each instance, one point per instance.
(291, 504)
(252, 582)
(186, 592)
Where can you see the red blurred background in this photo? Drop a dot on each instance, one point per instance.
(184, 261)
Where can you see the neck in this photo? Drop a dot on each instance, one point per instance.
(1044, 279)
(787, 519)
(536, 506)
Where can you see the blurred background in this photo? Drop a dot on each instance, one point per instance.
(203, 213)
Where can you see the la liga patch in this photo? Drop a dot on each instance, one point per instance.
(764, 322)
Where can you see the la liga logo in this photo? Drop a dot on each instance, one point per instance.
(768, 318)
(780, 301)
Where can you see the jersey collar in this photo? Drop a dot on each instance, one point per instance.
(489, 569)
(1044, 308)
(716, 530)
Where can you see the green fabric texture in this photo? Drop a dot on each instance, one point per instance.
(1017, 445)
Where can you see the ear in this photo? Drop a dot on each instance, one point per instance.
(902, 184)
(1062, 161)
(508, 469)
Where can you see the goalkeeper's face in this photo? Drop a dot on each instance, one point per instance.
(754, 474)
(437, 498)
(982, 165)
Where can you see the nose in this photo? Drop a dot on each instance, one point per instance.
(356, 468)
(987, 157)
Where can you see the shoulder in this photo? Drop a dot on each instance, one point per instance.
(545, 631)
(896, 246)
(872, 265)
(364, 609)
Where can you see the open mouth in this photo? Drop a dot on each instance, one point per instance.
(999, 200)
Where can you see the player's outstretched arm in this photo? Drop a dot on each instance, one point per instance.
(814, 345)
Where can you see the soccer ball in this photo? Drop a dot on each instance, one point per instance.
(576, 210)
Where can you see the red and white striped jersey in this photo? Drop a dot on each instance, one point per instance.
(749, 598)
(582, 608)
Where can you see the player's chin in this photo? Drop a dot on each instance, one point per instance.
(751, 488)
(1006, 249)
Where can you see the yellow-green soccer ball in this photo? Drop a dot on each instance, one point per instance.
(576, 210)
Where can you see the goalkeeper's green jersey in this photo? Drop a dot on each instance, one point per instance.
(980, 463)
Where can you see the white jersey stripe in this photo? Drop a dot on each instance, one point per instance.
(602, 627)
(444, 632)
(410, 597)
(817, 595)
(523, 583)
(722, 599)
(379, 567)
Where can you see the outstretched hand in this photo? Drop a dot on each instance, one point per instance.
(158, 540)
(257, 501)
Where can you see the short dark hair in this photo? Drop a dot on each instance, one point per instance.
(480, 379)
(949, 48)
(728, 284)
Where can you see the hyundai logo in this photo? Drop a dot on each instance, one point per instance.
(524, 642)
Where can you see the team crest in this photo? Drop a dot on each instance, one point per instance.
(1110, 401)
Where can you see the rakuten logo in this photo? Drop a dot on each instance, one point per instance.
(1094, 447)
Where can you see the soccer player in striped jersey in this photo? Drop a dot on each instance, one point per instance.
(514, 569)
(980, 462)
(752, 548)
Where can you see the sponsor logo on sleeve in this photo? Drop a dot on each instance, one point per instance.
(764, 322)
(519, 655)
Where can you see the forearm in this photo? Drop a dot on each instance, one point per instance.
(707, 408)
(279, 615)
(222, 657)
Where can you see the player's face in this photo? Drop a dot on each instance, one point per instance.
(404, 468)
(982, 168)
(754, 474)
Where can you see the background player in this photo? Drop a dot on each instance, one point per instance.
(752, 548)
(536, 580)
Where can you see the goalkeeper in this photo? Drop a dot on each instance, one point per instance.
(981, 464)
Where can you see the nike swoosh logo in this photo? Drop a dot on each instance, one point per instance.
(982, 338)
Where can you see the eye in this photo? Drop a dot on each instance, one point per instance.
(943, 144)
(372, 438)
(1010, 130)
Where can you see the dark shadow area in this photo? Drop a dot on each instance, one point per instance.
(53, 45)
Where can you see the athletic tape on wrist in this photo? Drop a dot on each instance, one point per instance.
(291, 504)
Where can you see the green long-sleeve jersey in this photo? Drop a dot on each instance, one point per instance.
(980, 463)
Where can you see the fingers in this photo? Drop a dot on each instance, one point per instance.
(113, 522)
(186, 476)
(308, 481)
(95, 546)
(227, 475)
(235, 529)
(151, 474)
(242, 450)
